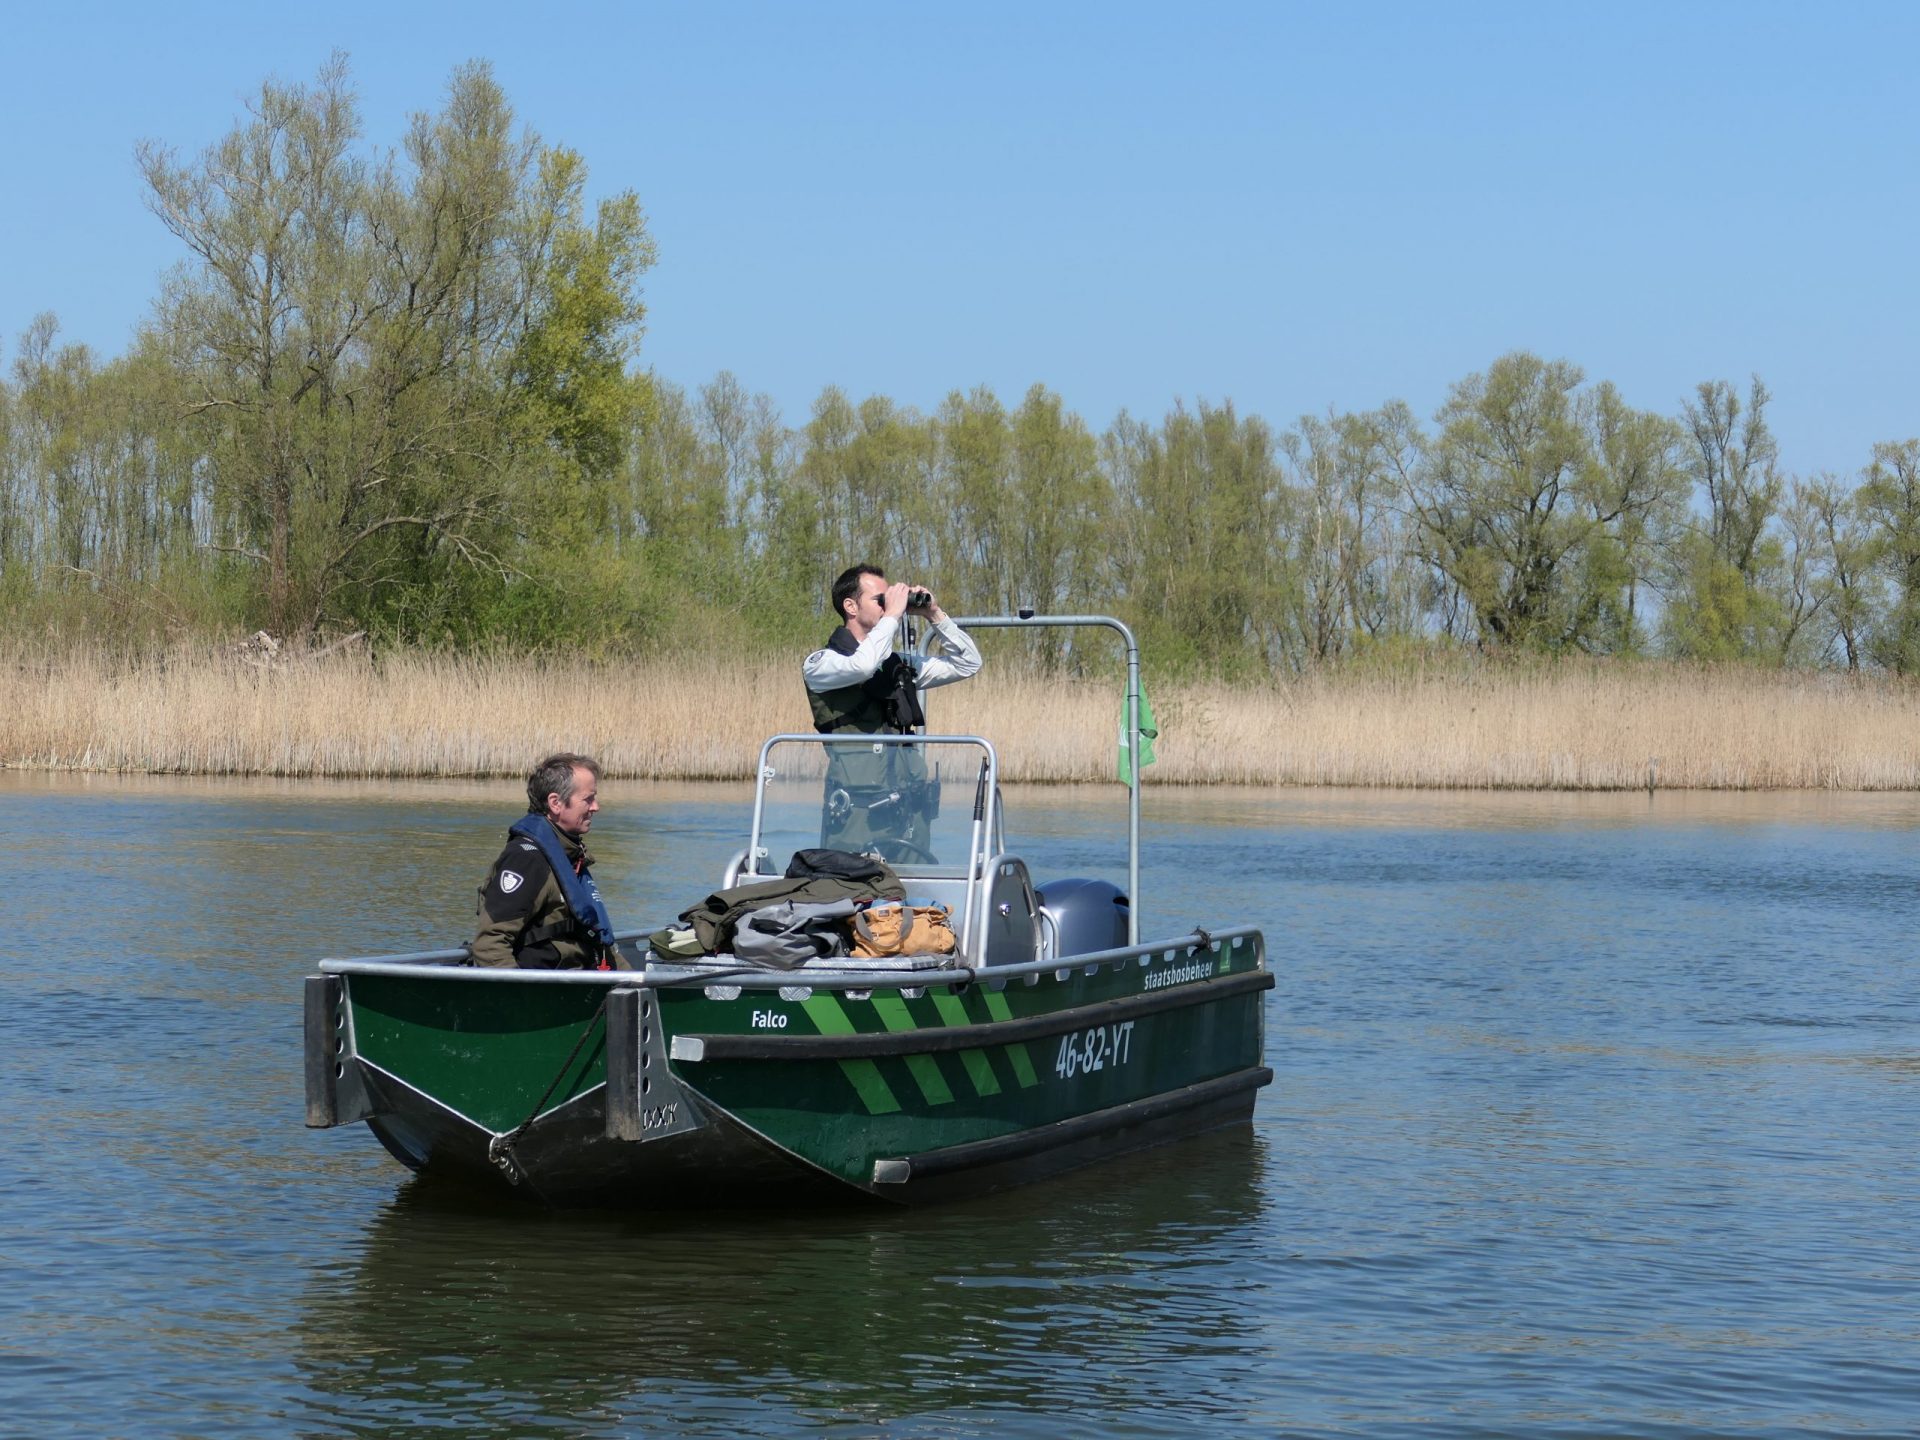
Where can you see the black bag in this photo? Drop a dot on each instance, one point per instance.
(839, 864)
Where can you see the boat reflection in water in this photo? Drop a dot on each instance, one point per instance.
(460, 1313)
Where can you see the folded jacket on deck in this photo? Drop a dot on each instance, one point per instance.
(713, 919)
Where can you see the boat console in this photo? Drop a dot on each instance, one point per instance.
(930, 806)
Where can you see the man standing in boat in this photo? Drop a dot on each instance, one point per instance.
(860, 683)
(540, 908)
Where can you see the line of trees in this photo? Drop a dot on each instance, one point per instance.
(398, 393)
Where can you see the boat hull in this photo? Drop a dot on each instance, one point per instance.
(692, 1088)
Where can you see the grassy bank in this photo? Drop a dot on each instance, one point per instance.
(1573, 725)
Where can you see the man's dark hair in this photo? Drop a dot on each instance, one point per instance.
(848, 586)
(554, 776)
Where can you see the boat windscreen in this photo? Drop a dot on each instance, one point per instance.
(911, 804)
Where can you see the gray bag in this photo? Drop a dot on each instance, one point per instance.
(792, 932)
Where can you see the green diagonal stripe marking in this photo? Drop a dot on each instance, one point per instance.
(865, 1077)
(952, 1012)
(1016, 1054)
(824, 1010)
(925, 1070)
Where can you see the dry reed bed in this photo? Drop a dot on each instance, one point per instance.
(1572, 726)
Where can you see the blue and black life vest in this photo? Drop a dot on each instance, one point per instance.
(583, 895)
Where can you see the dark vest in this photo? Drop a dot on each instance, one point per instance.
(887, 702)
(583, 895)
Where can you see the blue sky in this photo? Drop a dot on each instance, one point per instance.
(1292, 207)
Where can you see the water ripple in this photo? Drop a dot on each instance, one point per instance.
(1583, 1127)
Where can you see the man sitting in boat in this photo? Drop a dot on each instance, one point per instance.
(880, 801)
(539, 907)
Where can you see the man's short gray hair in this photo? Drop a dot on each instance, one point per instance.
(554, 776)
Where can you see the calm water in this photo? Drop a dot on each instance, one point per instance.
(1594, 1117)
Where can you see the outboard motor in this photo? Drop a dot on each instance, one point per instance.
(1088, 915)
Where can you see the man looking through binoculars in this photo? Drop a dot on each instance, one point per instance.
(860, 683)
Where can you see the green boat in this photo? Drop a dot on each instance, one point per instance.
(1051, 1038)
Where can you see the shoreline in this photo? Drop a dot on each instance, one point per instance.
(1153, 782)
(1454, 725)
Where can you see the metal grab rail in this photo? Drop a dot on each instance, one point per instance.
(986, 799)
(1028, 621)
(458, 955)
(657, 976)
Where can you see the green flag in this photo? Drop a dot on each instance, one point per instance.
(1149, 732)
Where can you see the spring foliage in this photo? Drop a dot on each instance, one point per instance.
(399, 391)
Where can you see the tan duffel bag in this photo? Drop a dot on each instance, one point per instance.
(892, 929)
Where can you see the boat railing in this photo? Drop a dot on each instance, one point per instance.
(454, 957)
(1028, 620)
(987, 826)
(658, 976)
